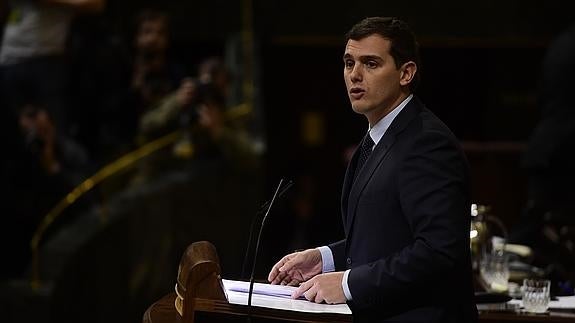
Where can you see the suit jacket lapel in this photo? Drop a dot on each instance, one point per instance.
(381, 149)
(349, 175)
(378, 154)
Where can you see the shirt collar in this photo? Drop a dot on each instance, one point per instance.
(378, 130)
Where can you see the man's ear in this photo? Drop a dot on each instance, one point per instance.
(408, 71)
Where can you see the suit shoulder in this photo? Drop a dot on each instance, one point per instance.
(427, 132)
(432, 125)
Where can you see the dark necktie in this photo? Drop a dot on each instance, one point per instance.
(364, 152)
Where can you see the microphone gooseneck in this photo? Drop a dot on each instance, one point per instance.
(261, 211)
(269, 206)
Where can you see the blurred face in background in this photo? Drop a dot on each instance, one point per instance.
(152, 37)
(36, 124)
(215, 72)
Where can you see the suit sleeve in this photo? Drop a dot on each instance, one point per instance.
(338, 251)
(433, 195)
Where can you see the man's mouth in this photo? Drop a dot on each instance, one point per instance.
(356, 93)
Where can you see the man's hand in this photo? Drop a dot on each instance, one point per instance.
(296, 268)
(324, 288)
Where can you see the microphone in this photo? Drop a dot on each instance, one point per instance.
(262, 209)
(269, 206)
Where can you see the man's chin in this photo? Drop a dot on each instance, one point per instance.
(359, 108)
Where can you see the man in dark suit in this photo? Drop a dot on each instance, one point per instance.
(405, 199)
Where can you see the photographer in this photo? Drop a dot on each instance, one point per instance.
(44, 168)
(162, 118)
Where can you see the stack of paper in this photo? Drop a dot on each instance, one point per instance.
(261, 289)
(277, 297)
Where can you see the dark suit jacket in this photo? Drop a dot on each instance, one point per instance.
(406, 220)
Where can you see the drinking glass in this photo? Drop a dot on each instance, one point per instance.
(536, 295)
(494, 270)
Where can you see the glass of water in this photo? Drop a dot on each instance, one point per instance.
(494, 269)
(536, 295)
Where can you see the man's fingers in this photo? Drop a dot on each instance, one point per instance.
(286, 267)
(287, 279)
(272, 275)
(294, 282)
(278, 278)
(289, 265)
(275, 269)
(319, 298)
(280, 273)
(301, 290)
(298, 292)
(311, 294)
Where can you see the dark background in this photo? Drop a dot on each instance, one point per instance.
(481, 67)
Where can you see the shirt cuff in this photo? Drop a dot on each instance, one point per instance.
(345, 287)
(326, 259)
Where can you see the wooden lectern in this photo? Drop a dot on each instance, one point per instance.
(200, 296)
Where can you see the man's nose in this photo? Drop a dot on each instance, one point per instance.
(356, 73)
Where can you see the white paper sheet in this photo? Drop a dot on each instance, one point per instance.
(563, 302)
(278, 297)
(262, 289)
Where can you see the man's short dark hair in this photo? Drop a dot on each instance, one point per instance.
(404, 47)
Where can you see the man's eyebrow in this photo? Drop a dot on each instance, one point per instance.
(364, 57)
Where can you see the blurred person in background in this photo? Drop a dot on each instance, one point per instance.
(133, 86)
(199, 111)
(44, 168)
(199, 108)
(33, 50)
(213, 70)
(548, 220)
(216, 134)
(42, 164)
(166, 116)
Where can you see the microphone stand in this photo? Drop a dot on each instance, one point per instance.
(250, 293)
(263, 208)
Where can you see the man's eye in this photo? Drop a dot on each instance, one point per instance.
(371, 64)
(348, 63)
